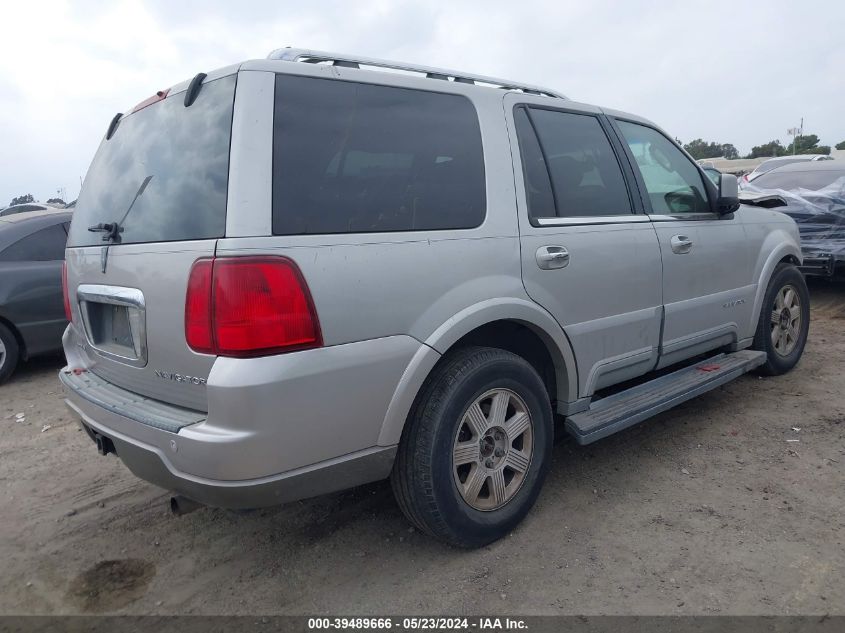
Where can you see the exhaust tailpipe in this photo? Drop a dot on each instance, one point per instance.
(180, 506)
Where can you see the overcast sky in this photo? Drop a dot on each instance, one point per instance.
(735, 72)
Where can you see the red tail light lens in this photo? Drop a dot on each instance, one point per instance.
(249, 306)
(198, 308)
(66, 293)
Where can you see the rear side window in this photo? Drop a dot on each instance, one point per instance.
(584, 173)
(357, 158)
(42, 246)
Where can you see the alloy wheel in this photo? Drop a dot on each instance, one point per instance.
(493, 449)
(786, 320)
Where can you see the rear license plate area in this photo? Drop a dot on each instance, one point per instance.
(115, 322)
(110, 328)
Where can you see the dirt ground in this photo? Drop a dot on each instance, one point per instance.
(719, 506)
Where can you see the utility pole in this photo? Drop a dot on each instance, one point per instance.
(800, 133)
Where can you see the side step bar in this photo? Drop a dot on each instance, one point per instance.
(629, 407)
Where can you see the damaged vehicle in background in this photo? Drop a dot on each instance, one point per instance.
(779, 161)
(812, 194)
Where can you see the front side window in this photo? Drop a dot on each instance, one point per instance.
(357, 158)
(582, 168)
(673, 183)
(42, 246)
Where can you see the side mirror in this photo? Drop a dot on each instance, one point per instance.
(728, 200)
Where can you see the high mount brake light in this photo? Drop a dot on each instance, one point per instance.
(158, 96)
(249, 306)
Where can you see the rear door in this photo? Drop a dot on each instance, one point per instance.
(588, 257)
(707, 283)
(153, 202)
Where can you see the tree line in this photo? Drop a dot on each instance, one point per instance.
(805, 144)
(27, 198)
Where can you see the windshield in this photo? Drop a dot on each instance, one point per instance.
(791, 180)
(163, 175)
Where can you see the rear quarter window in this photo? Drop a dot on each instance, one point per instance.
(356, 158)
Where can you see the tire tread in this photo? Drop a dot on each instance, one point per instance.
(411, 477)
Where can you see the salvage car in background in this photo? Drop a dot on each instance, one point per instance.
(28, 206)
(814, 196)
(32, 315)
(780, 161)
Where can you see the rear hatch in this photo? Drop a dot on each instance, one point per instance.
(153, 202)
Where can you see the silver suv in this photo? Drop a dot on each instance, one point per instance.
(301, 274)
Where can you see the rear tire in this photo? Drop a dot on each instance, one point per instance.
(784, 321)
(9, 353)
(476, 447)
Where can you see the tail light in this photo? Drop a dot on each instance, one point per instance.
(249, 306)
(65, 293)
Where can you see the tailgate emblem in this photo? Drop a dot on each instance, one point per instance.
(104, 258)
(169, 375)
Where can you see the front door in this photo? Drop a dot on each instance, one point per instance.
(707, 288)
(588, 257)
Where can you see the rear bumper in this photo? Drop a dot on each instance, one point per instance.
(150, 463)
(278, 428)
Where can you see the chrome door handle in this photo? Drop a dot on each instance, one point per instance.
(681, 244)
(549, 257)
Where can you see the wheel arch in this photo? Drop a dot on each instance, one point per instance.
(785, 252)
(22, 353)
(517, 325)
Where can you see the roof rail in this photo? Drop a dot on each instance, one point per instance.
(289, 54)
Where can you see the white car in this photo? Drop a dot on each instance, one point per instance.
(29, 206)
(780, 161)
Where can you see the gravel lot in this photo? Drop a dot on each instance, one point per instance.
(706, 509)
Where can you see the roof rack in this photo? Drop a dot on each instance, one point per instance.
(289, 54)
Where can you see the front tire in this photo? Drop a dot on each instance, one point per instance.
(476, 448)
(784, 321)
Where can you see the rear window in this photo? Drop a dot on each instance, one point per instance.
(44, 245)
(183, 156)
(357, 158)
(21, 208)
(789, 180)
(769, 165)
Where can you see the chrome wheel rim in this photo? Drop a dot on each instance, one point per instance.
(2, 353)
(786, 320)
(493, 449)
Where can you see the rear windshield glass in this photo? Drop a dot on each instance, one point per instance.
(357, 158)
(769, 165)
(182, 154)
(790, 180)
